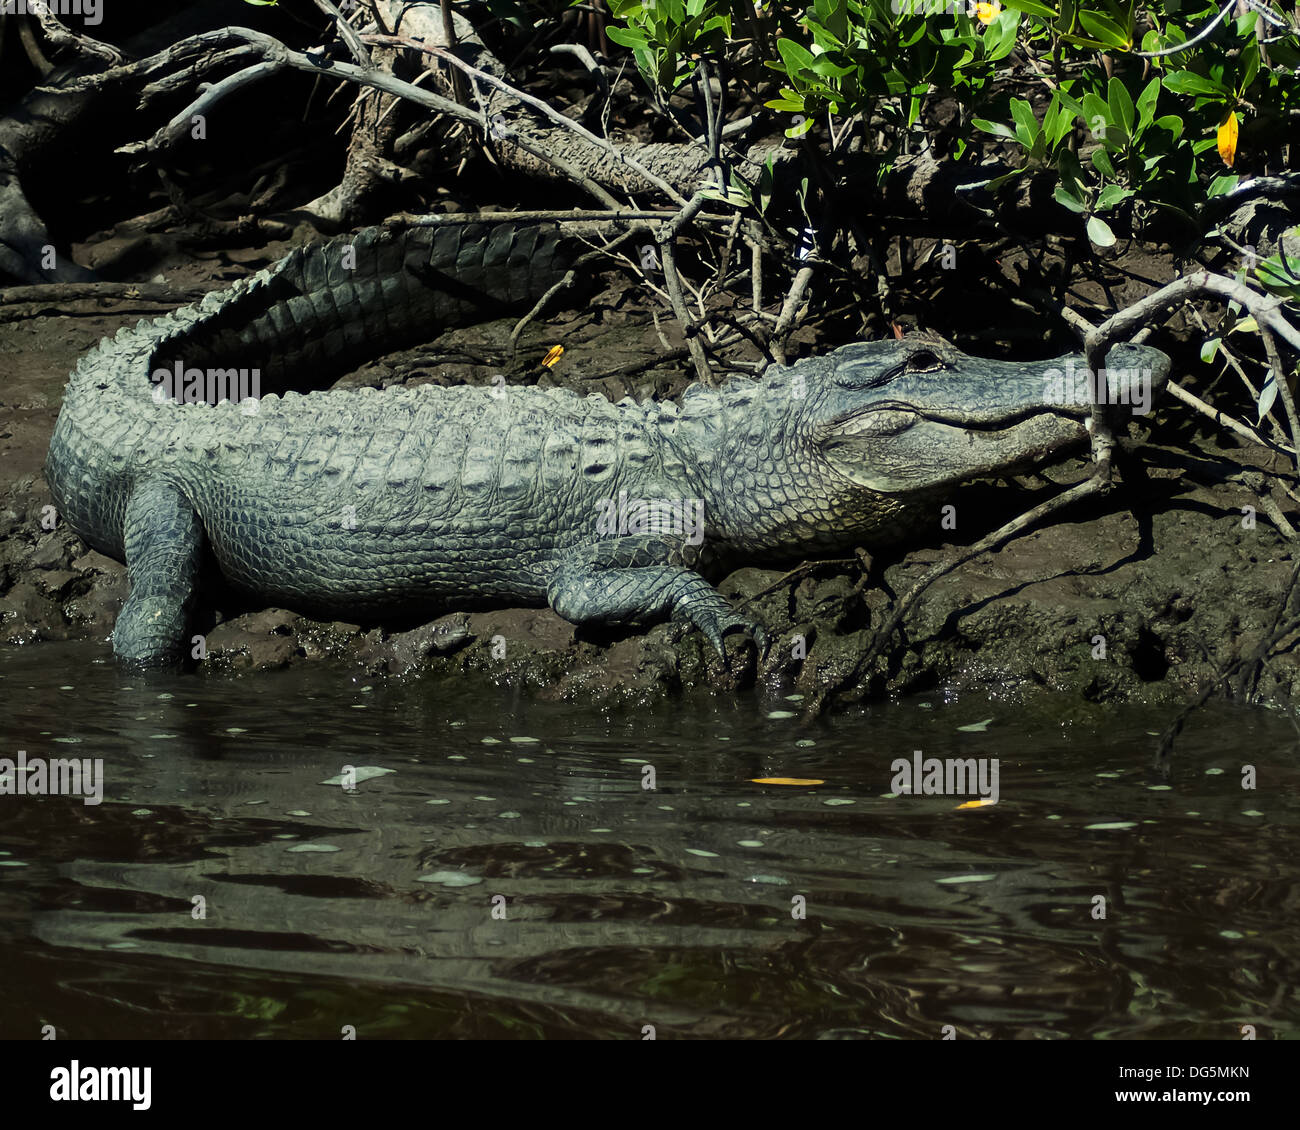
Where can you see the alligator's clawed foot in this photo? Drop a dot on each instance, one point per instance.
(716, 624)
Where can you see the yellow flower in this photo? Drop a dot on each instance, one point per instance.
(986, 11)
(1228, 139)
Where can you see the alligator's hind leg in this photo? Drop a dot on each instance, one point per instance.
(164, 543)
(629, 580)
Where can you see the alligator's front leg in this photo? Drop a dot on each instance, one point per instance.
(164, 543)
(638, 579)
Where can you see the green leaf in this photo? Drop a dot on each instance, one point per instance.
(1121, 104)
(1027, 127)
(998, 129)
(1185, 82)
(1220, 185)
(1033, 8)
(1102, 163)
(1209, 349)
(1173, 124)
(626, 37)
(800, 128)
(1099, 232)
(1111, 195)
(1267, 395)
(1106, 30)
(796, 58)
(1096, 116)
(1000, 38)
(1064, 197)
(1146, 103)
(732, 194)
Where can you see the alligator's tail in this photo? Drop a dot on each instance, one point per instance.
(326, 307)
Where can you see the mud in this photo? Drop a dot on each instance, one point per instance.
(1140, 599)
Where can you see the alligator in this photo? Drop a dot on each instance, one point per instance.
(377, 506)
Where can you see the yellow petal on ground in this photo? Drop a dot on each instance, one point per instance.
(984, 800)
(786, 781)
(557, 351)
(986, 12)
(1228, 139)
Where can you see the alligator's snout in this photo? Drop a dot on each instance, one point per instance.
(931, 416)
(1132, 378)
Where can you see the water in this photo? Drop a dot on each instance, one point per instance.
(493, 887)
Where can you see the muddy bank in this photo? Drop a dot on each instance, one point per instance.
(1140, 599)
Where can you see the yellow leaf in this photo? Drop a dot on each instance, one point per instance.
(986, 11)
(975, 803)
(786, 781)
(557, 351)
(1228, 139)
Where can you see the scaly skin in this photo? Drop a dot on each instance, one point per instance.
(390, 505)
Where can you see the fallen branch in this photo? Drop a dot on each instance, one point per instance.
(537, 104)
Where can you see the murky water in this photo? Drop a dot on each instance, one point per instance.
(510, 875)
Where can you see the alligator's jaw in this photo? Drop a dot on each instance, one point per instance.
(931, 454)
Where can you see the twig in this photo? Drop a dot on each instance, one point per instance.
(602, 219)
(63, 37)
(1258, 484)
(347, 32)
(449, 37)
(800, 570)
(1280, 375)
(673, 284)
(793, 300)
(564, 283)
(1193, 401)
(79, 292)
(1189, 43)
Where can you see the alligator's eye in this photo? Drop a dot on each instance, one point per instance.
(925, 361)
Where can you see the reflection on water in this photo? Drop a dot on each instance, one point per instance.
(509, 875)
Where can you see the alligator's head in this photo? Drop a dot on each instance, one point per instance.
(877, 430)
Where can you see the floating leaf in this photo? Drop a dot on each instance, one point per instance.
(360, 773)
(975, 727)
(982, 802)
(786, 781)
